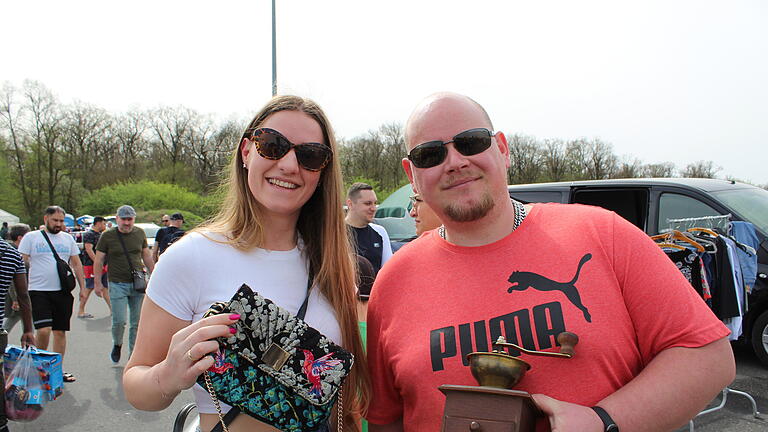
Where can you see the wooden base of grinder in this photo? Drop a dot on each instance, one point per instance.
(487, 409)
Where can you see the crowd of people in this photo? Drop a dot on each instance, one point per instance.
(482, 266)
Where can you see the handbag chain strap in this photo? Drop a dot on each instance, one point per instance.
(340, 411)
(215, 400)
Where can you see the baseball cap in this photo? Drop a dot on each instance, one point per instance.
(177, 216)
(126, 211)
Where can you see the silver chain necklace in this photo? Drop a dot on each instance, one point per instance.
(519, 216)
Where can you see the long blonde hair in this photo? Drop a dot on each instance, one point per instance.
(323, 230)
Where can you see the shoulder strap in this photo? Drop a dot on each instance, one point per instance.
(303, 309)
(125, 251)
(50, 245)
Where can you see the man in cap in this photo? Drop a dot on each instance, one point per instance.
(125, 247)
(650, 355)
(168, 235)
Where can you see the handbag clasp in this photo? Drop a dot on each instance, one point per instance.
(275, 356)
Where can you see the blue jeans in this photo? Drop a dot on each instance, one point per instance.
(125, 301)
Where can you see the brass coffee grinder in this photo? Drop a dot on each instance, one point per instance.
(493, 405)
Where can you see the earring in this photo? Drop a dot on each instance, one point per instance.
(245, 166)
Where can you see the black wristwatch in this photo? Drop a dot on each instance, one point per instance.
(608, 424)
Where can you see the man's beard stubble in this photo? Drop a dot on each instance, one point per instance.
(472, 213)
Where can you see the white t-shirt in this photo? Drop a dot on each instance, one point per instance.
(42, 266)
(386, 246)
(197, 272)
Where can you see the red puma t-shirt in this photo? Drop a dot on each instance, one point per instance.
(567, 267)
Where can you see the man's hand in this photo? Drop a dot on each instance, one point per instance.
(568, 417)
(28, 339)
(98, 288)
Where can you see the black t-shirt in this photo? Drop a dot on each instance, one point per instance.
(170, 235)
(91, 237)
(368, 243)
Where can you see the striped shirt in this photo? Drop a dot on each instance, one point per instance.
(10, 264)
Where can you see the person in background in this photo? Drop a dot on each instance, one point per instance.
(51, 306)
(13, 269)
(371, 240)
(90, 239)
(528, 273)
(4, 231)
(423, 215)
(170, 235)
(165, 221)
(11, 305)
(126, 301)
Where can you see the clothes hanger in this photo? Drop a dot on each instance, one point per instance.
(674, 235)
(671, 246)
(703, 230)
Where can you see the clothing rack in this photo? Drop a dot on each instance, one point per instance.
(721, 222)
(683, 224)
(726, 391)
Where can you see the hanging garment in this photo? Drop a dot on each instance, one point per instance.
(744, 233)
(689, 264)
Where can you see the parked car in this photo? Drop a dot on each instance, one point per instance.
(394, 215)
(150, 230)
(649, 203)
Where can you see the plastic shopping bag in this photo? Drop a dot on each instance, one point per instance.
(48, 364)
(25, 393)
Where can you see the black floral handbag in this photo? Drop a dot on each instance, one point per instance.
(275, 368)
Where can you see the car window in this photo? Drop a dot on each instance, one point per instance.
(677, 206)
(751, 204)
(537, 196)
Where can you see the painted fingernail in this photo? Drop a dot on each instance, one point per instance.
(232, 330)
(234, 316)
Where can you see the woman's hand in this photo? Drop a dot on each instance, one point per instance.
(188, 353)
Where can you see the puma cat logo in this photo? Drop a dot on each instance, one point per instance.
(521, 281)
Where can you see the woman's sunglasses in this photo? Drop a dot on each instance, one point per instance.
(433, 153)
(272, 145)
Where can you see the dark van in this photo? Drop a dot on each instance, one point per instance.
(650, 203)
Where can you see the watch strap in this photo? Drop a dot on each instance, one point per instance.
(608, 424)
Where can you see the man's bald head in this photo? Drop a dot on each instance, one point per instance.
(440, 105)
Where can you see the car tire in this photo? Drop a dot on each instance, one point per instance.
(760, 338)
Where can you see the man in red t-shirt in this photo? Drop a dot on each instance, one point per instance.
(650, 355)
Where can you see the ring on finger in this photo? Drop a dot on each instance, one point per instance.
(189, 355)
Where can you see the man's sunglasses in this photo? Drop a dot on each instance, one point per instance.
(272, 145)
(433, 153)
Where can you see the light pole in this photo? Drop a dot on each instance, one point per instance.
(274, 53)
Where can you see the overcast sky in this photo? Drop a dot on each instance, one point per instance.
(675, 81)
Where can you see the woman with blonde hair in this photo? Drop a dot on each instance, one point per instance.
(281, 221)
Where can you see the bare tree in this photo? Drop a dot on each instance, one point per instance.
(663, 169)
(172, 127)
(12, 116)
(210, 149)
(554, 160)
(525, 160)
(577, 156)
(128, 146)
(85, 131)
(47, 143)
(629, 168)
(701, 169)
(601, 162)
